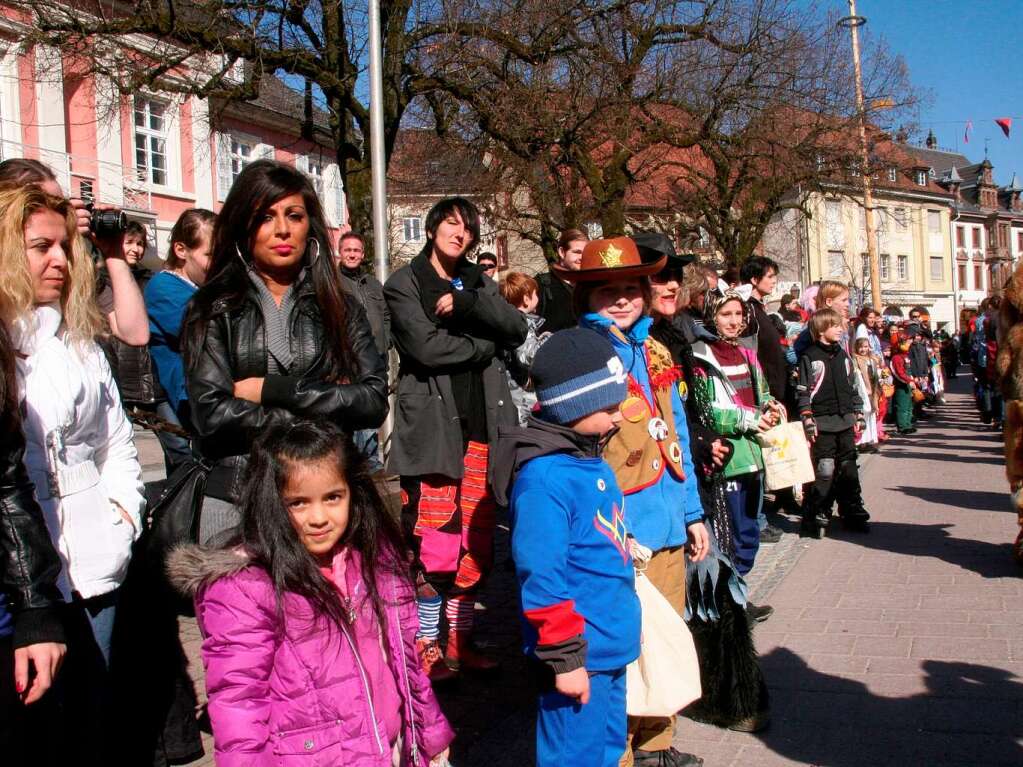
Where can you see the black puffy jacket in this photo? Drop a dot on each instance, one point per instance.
(234, 348)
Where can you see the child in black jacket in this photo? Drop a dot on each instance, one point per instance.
(832, 414)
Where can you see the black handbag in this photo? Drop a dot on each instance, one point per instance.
(173, 518)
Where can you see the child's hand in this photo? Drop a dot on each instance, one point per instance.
(698, 544)
(574, 685)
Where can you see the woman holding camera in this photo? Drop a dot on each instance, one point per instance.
(271, 335)
(79, 450)
(126, 315)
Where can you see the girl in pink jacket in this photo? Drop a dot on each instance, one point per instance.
(309, 622)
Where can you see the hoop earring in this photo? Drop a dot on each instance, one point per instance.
(312, 259)
(238, 252)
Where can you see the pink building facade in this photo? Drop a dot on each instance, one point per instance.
(153, 154)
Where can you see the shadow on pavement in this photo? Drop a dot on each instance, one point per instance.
(974, 500)
(969, 715)
(986, 457)
(991, 560)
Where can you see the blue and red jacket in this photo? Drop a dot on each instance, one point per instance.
(569, 543)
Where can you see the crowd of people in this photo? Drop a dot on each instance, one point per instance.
(612, 408)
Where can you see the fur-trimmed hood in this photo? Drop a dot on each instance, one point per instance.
(190, 567)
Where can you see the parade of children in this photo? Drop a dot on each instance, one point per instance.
(338, 606)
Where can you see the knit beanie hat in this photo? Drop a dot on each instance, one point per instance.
(575, 373)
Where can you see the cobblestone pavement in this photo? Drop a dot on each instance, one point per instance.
(901, 647)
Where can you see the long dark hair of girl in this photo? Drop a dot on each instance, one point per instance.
(270, 539)
(258, 186)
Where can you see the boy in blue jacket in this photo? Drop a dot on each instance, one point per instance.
(569, 542)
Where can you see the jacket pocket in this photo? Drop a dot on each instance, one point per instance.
(310, 745)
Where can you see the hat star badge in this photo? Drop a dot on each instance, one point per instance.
(611, 256)
(615, 258)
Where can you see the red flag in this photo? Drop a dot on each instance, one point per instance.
(1004, 123)
(969, 127)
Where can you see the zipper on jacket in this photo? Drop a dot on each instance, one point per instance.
(414, 750)
(365, 684)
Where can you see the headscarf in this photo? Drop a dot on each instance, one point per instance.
(718, 297)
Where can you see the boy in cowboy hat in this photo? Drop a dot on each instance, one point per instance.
(650, 453)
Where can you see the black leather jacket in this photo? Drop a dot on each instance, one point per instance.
(234, 349)
(29, 566)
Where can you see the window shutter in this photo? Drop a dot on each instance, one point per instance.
(302, 163)
(333, 195)
(224, 177)
(264, 152)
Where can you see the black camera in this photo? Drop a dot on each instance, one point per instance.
(107, 223)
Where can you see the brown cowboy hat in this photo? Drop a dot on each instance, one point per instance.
(616, 258)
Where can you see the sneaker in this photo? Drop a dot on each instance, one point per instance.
(758, 613)
(669, 757)
(770, 534)
(432, 661)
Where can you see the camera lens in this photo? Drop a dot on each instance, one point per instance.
(108, 223)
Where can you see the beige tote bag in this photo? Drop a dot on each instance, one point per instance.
(666, 676)
(786, 452)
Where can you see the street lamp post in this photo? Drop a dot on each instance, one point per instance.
(854, 22)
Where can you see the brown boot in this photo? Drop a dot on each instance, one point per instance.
(463, 655)
(433, 661)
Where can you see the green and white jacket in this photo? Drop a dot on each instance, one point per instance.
(728, 418)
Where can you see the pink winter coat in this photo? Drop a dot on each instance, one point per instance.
(294, 693)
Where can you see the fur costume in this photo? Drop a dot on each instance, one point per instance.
(1009, 366)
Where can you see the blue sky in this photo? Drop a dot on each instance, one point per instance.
(968, 55)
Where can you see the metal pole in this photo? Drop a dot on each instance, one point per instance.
(854, 22)
(378, 167)
(376, 144)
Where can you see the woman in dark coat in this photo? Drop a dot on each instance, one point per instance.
(734, 693)
(450, 326)
(271, 336)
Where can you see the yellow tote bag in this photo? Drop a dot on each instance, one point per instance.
(786, 452)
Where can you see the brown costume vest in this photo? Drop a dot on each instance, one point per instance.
(637, 457)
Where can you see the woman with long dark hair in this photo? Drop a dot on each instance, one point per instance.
(309, 621)
(271, 336)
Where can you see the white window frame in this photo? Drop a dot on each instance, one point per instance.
(239, 158)
(412, 229)
(147, 170)
(893, 175)
(933, 221)
(921, 178)
(940, 260)
(902, 263)
(227, 167)
(885, 267)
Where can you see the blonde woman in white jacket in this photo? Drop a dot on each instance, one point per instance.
(79, 449)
